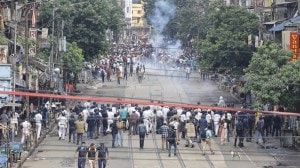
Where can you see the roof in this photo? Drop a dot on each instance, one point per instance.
(280, 25)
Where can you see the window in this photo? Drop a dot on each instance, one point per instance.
(139, 11)
(136, 1)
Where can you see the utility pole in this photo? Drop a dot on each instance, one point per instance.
(15, 56)
(52, 49)
(27, 57)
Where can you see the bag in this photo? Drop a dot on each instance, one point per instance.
(259, 125)
(203, 135)
(171, 136)
(142, 129)
(239, 127)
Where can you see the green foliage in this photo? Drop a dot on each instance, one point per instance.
(289, 75)
(85, 22)
(262, 74)
(73, 58)
(3, 40)
(225, 45)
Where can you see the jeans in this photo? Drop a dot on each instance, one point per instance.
(113, 139)
(90, 133)
(120, 137)
(170, 147)
(102, 163)
(79, 137)
(142, 139)
(72, 134)
(81, 162)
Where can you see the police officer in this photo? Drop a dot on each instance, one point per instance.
(81, 152)
(103, 155)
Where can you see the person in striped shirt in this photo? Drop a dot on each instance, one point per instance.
(164, 134)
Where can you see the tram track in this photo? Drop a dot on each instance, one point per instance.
(130, 150)
(159, 158)
(210, 163)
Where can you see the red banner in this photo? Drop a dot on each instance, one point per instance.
(294, 45)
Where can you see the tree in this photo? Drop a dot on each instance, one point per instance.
(73, 58)
(289, 75)
(225, 45)
(85, 22)
(190, 21)
(262, 75)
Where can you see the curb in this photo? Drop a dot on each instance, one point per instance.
(23, 159)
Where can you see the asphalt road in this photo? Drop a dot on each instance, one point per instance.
(53, 153)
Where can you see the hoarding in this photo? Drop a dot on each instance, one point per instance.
(3, 54)
(294, 45)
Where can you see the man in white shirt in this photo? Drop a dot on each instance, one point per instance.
(62, 125)
(147, 119)
(217, 118)
(38, 124)
(14, 122)
(25, 130)
(165, 111)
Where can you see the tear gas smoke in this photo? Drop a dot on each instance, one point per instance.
(163, 12)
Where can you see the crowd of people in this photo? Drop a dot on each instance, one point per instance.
(90, 120)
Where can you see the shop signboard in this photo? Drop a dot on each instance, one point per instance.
(5, 81)
(294, 45)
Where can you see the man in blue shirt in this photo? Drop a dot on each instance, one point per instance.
(103, 155)
(123, 115)
(81, 151)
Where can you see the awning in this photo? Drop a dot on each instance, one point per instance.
(281, 25)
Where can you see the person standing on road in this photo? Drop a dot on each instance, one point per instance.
(91, 121)
(118, 75)
(141, 129)
(202, 124)
(131, 69)
(81, 152)
(91, 154)
(125, 73)
(133, 120)
(25, 130)
(172, 140)
(164, 129)
(223, 131)
(114, 132)
(103, 155)
(72, 128)
(121, 127)
(208, 139)
(38, 124)
(217, 118)
(239, 131)
(80, 129)
(62, 125)
(187, 72)
(190, 133)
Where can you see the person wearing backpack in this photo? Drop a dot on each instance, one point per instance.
(81, 152)
(172, 140)
(239, 132)
(91, 154)
(141, 129)
(103, 155)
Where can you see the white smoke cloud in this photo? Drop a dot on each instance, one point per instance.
(163, 12)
